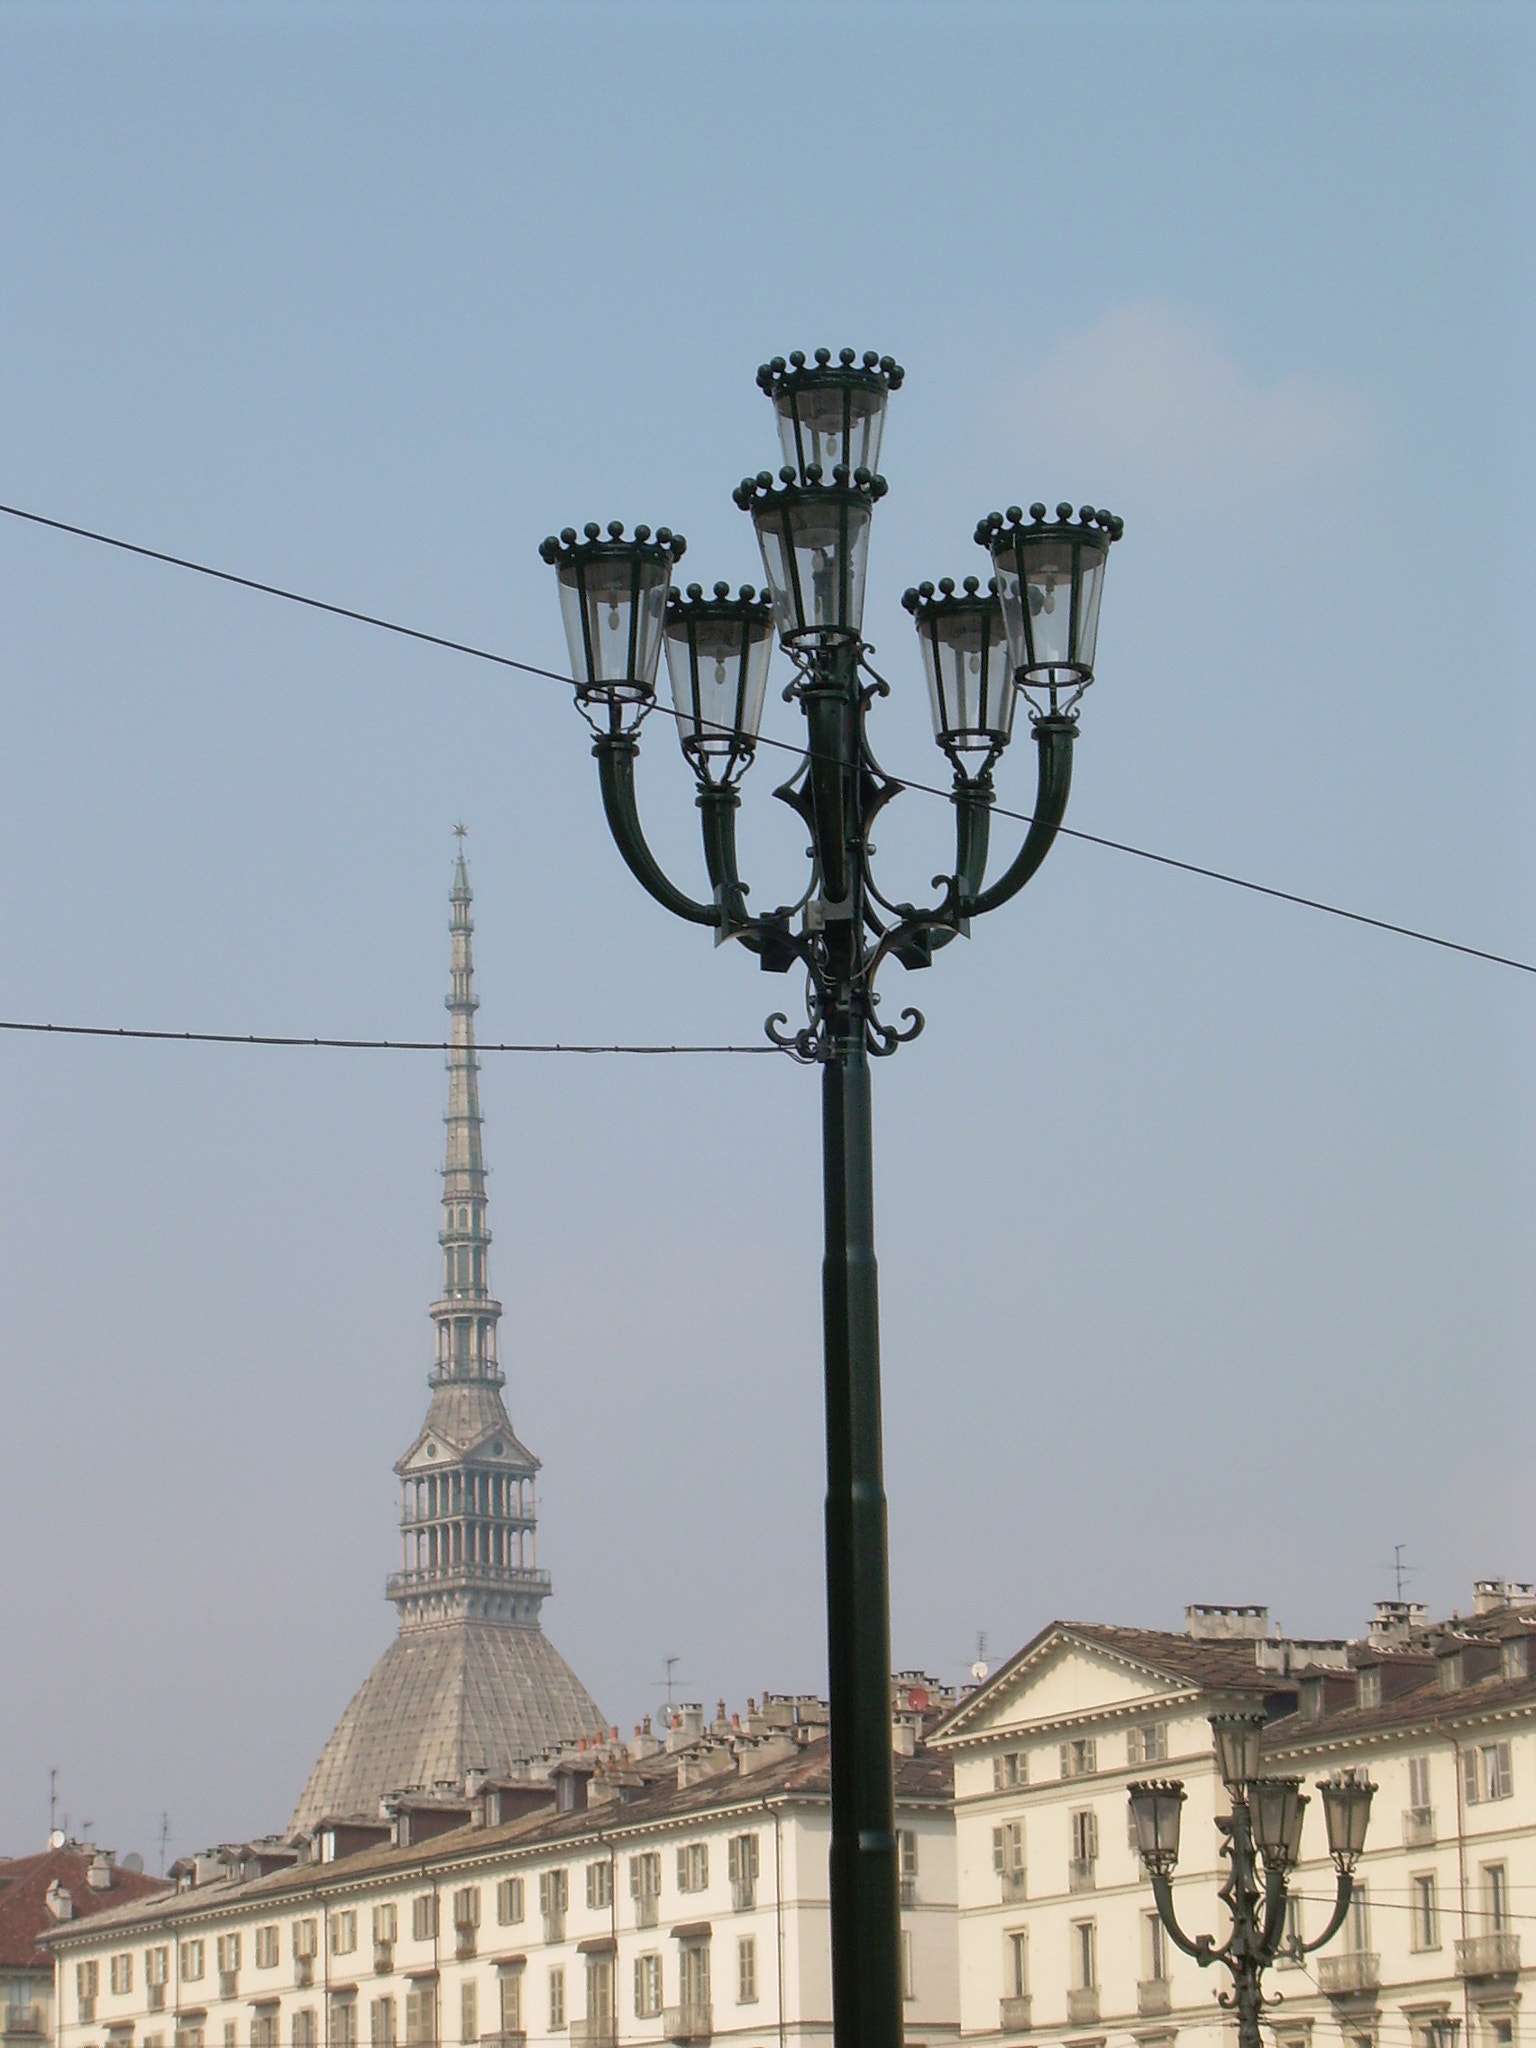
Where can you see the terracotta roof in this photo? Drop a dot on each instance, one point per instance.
(24, 1915)
(923, 1777)
(1425, 1706)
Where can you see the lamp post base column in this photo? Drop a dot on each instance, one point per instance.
(866, 1920)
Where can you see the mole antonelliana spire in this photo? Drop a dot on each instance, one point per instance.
(471, 1682)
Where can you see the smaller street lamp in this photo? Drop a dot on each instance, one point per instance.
(1262, 1843)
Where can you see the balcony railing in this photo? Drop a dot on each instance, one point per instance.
(1418, 1827)
(1488, 1955)
(383, 1958)
(554, 1928)
(688, 2022)
(155, 1994)
(1154, 1997)
(647, 1909)
(1080, 1874)
(1347, 1975)
(601, 2032)
(303, 1971)
(88, 2009)
(507, 2038)
(464, 1942)
(1083, 2007)
(23, 2021)
(1013, 2014)
(229, 1983)
(743, 1894)
(520, 1578)
(1015, 1884)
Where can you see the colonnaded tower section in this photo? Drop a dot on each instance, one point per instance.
(471, 1682)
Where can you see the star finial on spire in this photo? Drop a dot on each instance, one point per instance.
(461, 831)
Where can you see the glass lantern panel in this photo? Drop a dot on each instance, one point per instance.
(815, 549)
(1090, 590)
(831, 423)
(970, 677)
(719, 671)
(613, 608)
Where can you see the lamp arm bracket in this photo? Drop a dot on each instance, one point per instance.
(1346, 1893)
(1274, 1912)
(1054, 738)
(1202, 1946)
(616, 776)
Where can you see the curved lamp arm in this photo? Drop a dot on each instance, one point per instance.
(1202, 1948)
(1340, 1914)
(718, 804)
(616, 774)
(1272, 1926)
(1054, 737)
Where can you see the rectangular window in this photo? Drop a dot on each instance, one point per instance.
(343, 2023)
(645, 1887)
(264, 2027)
(511, 2001)
(120, 1972)
(87, 1977)
(1357, 1928)
(554, 1898)
(556, 2000)
(1010, 1769)
(192, 1961)
(1154, 1948)
(424, 1916)
(1085, 1836)
(344, 1932)
(908, 1985)
(693, 1867)
(420, 2016)
(381, 2024)
(266, 1947)
(907, 1838)
(230, 2034)
(1085, 1955)
(509, 1902)
(599, 1975)
(599, 1886)
(157, 1964)
(469, 2011)
(1424, 1912)
(746, 1970)
(466, 1906)
(1418, 1782)
(306, 2028)
(1080, 1759)
(1497, 1775)
(1294, 1937)
(306, 1940)
(1496, 1898)
(192, 2037)
(647, 1987)
(1008, 1858)
(741, 1860)
(1147, 1745)
(386, 1925)
(1368, 1686)
(693, 1975)
(1016, 1962)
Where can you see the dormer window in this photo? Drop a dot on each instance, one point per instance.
(1515, 1658)
(1368, 1686)
(1310, 1699)
(1450, 1672)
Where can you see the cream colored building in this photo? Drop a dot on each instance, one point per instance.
(689, 1908)
(1058, 1939)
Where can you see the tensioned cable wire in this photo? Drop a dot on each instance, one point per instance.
(1168, 860)
(361, 1044)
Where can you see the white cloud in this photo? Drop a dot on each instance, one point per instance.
(1146, 395)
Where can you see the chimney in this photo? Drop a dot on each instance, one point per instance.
(99, 1876)
(1488, 1595)
(1210, 1624)
(60, 1905)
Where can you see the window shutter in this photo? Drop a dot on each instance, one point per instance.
(1066, 1759)
(997, 1850)
(682, 1870)
(1091, 1836)
(544, 1891)
(733, 1859)
(1469, 1776)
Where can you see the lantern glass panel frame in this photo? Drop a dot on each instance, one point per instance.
(1238, 1736)
(719, 651)
(613, 594)
(1050, 578)
(1157, 1808)
(1347, 1815)
(1277, 1808)
(814, 541)
(968, 667)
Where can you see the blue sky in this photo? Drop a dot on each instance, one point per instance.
(1204, 1221)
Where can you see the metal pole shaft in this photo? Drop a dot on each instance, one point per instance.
(866, 1924)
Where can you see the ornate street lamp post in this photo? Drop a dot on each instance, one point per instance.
(1030, 633)
(1261, 1839)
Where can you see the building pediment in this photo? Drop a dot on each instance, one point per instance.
(1059, 1678)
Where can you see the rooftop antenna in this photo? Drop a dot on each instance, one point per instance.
(1401, 1572)
(53, 1802)
(979, 1668)
(165, 1836)
(669, 1703)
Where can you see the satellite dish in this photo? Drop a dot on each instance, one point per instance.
(979, 1670)
(918, 1698)
(56, 1839)
(134, 1861)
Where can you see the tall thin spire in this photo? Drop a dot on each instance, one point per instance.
(465, 1314)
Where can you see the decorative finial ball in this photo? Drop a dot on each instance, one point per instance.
(664, 535)
(747, 594)
(592, 530)
(871, 359)
(615, 529)
(695, 592)
(925, 589)
(846, 356)
(861, 477)
(797, 359)
(947, 586)
(1015, 514)
(679, 547)
(722, 590)
(642, 534)
(971, 585)
(568, 535)
(1064, 509)
(777, 365)
(549, 550)
(813, 472)
(765, 479)
(1085, 513)
(787, 473)
(1037, 511)
(823, 357)
(910, 599)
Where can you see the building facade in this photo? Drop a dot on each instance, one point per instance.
(471, 1682)
(68, 1882)
(1058, 1939)
(647, 1900)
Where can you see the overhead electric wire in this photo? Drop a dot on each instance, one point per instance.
(1167, 860)
(360, 1044)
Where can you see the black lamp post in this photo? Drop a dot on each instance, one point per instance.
(1261, 1841)
(1032, 634)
